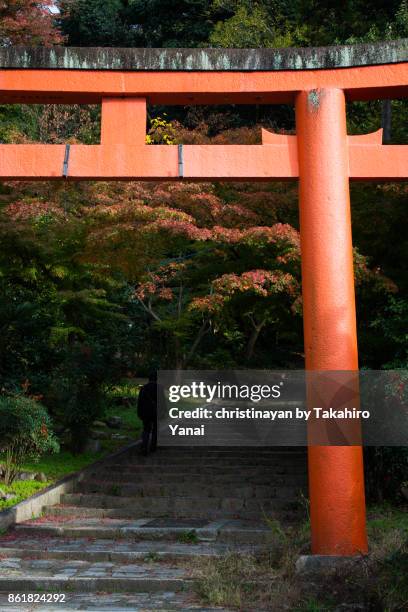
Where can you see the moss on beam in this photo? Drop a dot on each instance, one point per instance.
(107, 58)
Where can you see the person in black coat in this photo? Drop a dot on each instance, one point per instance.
(149, 395)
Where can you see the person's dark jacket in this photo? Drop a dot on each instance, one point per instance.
(147, 402)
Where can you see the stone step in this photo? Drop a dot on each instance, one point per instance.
(256, 451)
(33, 575)
(190, 489)
(214, 461)
(174, 503)
(222, 452)
(192, 481)
(216, 469)
(167, 601)
(79, 512)
(134, 528)
(228, 478)
(182, 506)
(220, 531)
(117, 551)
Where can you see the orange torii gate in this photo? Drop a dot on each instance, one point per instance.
(321, 155)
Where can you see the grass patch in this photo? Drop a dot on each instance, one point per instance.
(267, 580)
(259, 581)
(115, 490)
(22, 489)
(129, 388)
(386, 518)
(128, 414)
(151, 557)
(188, 537)
(54, 467)
(122, 401)
(59, 465)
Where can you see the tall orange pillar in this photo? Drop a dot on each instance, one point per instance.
(336, 475)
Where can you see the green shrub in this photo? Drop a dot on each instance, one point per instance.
(25, 433)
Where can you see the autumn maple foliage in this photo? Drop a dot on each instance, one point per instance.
(210, 273)
(24, 22)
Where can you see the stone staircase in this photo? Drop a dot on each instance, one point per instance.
(131, 531)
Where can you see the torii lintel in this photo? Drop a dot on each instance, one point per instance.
(124, 81)
(367, 161)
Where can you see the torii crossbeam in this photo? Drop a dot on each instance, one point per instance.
(321, 155)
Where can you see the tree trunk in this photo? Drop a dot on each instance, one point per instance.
(252, 340)
(178, 359)
(201, 333)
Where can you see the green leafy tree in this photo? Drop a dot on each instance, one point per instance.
(95, 23)
(63, 321)
(146, 23)
(162, 23)
(254, 26)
